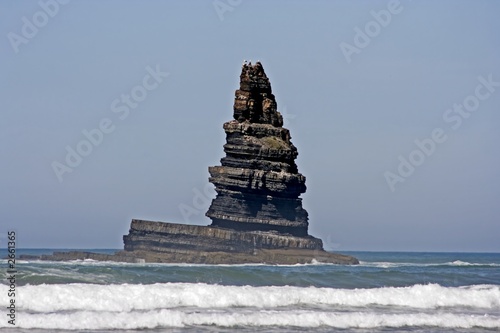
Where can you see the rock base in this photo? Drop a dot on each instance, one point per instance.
(160, 242)
(270, 257)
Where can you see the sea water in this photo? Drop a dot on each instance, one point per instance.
(387, 292)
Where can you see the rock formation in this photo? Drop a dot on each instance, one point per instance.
(258, 185)
(257, 215)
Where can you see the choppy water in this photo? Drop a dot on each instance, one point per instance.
(417, 292)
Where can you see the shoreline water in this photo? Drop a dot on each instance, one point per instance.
(386, 292)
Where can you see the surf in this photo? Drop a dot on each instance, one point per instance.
(126, 297)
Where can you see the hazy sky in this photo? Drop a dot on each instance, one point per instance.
(152, 82)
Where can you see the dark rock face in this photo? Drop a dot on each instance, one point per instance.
(163, 237)
(258, 184)
(257, 215)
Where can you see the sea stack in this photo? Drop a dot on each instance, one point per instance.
(258, 185)
(257, 215)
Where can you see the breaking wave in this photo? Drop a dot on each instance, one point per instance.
(136, 306)
(298, 318)
(125, 297)
(457, 263)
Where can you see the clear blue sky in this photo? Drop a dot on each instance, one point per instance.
(352, 114)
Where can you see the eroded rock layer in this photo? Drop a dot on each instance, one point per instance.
(168, 237)
(257, 215)
(258, 184)
(151, 241)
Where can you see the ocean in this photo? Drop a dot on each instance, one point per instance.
(387, 292)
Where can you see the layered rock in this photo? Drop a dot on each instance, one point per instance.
(165, 237)
(258, 185)
(257, 215)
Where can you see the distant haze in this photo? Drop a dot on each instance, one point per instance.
(113, 110)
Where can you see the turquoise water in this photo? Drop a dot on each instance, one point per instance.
(388, 291)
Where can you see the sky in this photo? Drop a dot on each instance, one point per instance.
(113, 110)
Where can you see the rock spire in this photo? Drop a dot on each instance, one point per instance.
(258, 184)
(257, 215)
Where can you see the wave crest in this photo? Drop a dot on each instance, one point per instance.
(99, 307)
(297, 318)
(125, 297)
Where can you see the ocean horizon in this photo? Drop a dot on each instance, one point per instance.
(386, 292)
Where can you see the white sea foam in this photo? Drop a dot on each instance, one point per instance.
(123, 298)
(382, 264)
(100, 263)
(465, 263)
(249, 318)
(98, 307)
